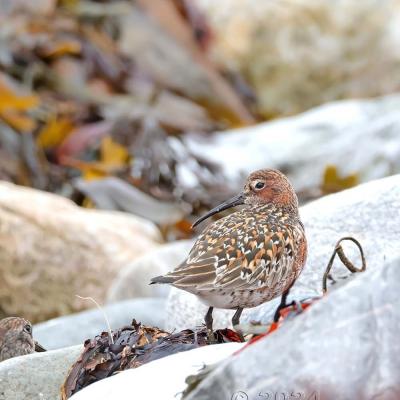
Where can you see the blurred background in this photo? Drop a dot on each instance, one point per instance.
(161, 108)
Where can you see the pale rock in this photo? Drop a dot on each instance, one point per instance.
(37, 376)
(52, 250)
(134, 280)
(356, 136)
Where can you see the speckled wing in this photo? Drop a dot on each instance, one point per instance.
(239, 253)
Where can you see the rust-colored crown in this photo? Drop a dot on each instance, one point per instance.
(12, 323)
(270, 186)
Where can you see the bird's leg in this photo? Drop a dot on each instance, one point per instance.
(209, 319)
(282, 304)
(209, 323)
(236, 321)
(236, 317)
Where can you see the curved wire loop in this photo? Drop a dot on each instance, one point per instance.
(346, 262)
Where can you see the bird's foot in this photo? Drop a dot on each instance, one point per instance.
(280, 308)
(240, 334)
(238, 329)
(211, 338)
(285, 309)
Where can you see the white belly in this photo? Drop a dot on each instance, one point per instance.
(232, 299)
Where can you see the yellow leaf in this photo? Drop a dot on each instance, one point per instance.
(18, 121)
(91, 174)
(88, 203)
(12, 106)
(69, 3)
(54, 132)
(332, 182)
(112, 153)
(13, 101)
(113, 157)
(91, 170)
(62, 48)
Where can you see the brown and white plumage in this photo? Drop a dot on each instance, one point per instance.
(252, 255)
(240, 253)
(16, 338)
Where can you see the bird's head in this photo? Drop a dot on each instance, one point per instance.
(269, 186)
(265, 186)
(16, 334)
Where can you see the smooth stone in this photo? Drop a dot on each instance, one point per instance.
(369, 212)
(52, 250)
(160, 379)
(133, 280)
(344, 347)
(37, 376)
(76, 328)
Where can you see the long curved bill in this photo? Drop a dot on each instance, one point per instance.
(233, 202)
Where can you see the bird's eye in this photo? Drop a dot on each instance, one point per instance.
(259, 185)
(28, 329)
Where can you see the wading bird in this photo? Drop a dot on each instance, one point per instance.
(250, 256)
